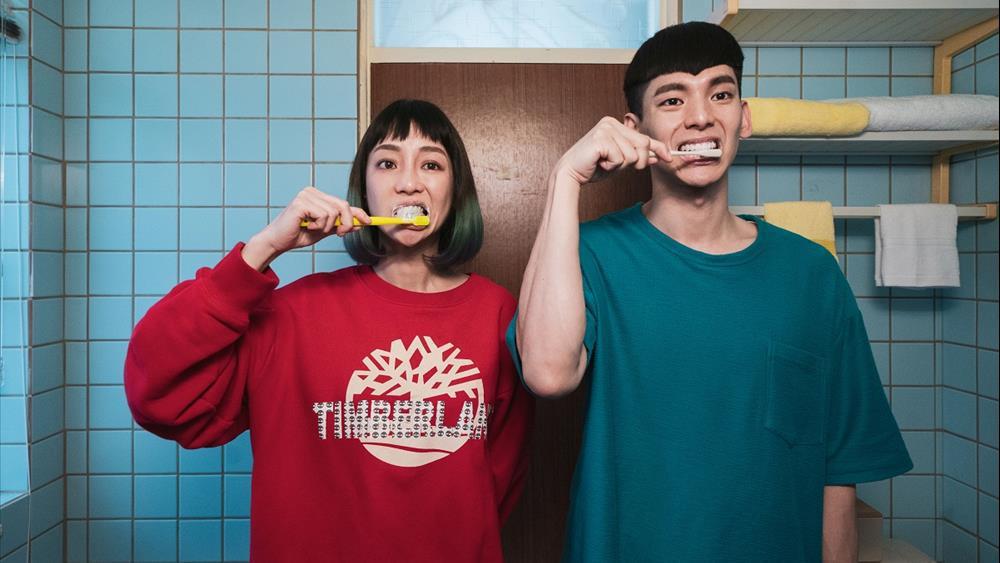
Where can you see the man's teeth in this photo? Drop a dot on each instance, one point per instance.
(698, 146)
(409, 211)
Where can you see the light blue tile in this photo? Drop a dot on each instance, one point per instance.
(46, 88)
(46, 320)
(156, 13)
(988, 321)
(959, 365)
(867, 185)
(912, 364)
(861, 276)
(155, 273)
(110, 496)
(292, 14)
(110, 273)
(987, 177)
(75, 89)
(155, 50)
(242, 223)
(110, 540)
(779, 60)
(155, 540)
(110, 318)
(46, 42)
(293, 265)
(911, 498)
(47, 134)
(201, 184)
(48, 546)
(110, 228)
(155, 496)
(156, 140)
(110, 139)
(76, 228)
(201, 51)
(336, 52)
(154, 454)
(76, 324)
(911, 86)
(988, 422)
(237, 496)
(15, 137)
(200, 496)
(110, 13)
(106, 362)
(966, 236)
(913, 60)
(988, 470)
(108, 409)
(200, 540)
(336, 96)
(748, 87)
(201, 139)
(75, 13)
(237, 455)
(76, 461)
(987, 48)
(989, 373)
(779, 87)
(959, 504)
(987, 236)
(742, 185)
(201, 95)
(290, 96)
(823, 87)
(110, 451)
(959, 412)
(236, 540)
(14, 472)
(779, 183)
(913, 319)
(963, 181)
(76, 407)
(823, 61)
(911, 184)
(246, 96)
(868, 60)
(75, 143)
(246, 140)
(290, 140)
(289, 52)
(286, 181)
(201, 460)
(246, 13)
(201, 229)
(156, 184)
(920, 446)
(859, 86)
(876, 317)
(76, 540)
(201, 13)
(964, 58)
(988, 518)
(987, 78)
(958, 458)
(15, 77)
(913, 407)
(344, 15)
(246, 184)
(920, 533)
(111, 50)
(964, 81)
(193, 261)
(142, 304)
(336, 140)
(246, 51)
(155, 95)
(75, 51)
(47, 506)
(76, 495)
(13, 416)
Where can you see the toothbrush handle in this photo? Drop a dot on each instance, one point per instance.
(375, 222)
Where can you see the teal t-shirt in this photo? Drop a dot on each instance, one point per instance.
(725, 392)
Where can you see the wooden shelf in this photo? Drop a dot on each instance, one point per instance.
(876, 142)
(848, 21)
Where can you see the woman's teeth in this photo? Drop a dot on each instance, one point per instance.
(409, 211)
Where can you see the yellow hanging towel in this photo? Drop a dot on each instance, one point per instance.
(785, 117)
(811, 219)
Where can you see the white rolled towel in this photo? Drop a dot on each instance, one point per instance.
(944, 112)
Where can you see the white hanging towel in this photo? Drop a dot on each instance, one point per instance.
(915, 245)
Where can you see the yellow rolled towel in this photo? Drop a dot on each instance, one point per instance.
(811, 219)
(785, 117)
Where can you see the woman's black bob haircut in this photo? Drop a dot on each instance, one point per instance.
(461, 235)
(687, 47)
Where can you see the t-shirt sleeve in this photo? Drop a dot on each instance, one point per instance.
(862, 437)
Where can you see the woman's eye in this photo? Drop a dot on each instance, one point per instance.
(385, 164)
(433, 166)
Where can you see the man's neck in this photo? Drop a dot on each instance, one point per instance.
(698, 218)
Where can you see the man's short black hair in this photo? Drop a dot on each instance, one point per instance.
(687, 47)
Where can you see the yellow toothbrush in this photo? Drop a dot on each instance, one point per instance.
(419, 220)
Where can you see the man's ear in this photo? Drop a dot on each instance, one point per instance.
(746, 127)
(632, 121)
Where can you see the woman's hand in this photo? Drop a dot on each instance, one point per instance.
(286, 232)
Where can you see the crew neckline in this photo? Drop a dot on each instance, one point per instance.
(390, 292)
(728, 259)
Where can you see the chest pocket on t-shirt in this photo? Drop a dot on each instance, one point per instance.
(795, 408)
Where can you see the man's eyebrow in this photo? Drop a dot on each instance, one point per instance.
(670, 86)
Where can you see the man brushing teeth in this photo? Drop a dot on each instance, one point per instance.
(733, 399)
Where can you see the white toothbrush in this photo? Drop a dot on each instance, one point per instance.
(710, 153)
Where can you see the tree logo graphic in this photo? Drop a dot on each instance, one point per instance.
(410, 405)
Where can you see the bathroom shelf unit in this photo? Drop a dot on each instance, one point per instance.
(849, 21)
(873, 143)
(977, 212)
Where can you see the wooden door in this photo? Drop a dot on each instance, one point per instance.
(516, 121)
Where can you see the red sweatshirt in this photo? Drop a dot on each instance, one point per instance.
(386, 425)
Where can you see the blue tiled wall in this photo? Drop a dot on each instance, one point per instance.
(33, 523)
(969, 345)
(188, 125)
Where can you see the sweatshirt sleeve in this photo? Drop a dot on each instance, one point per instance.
(191, 355)
(507, 440)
